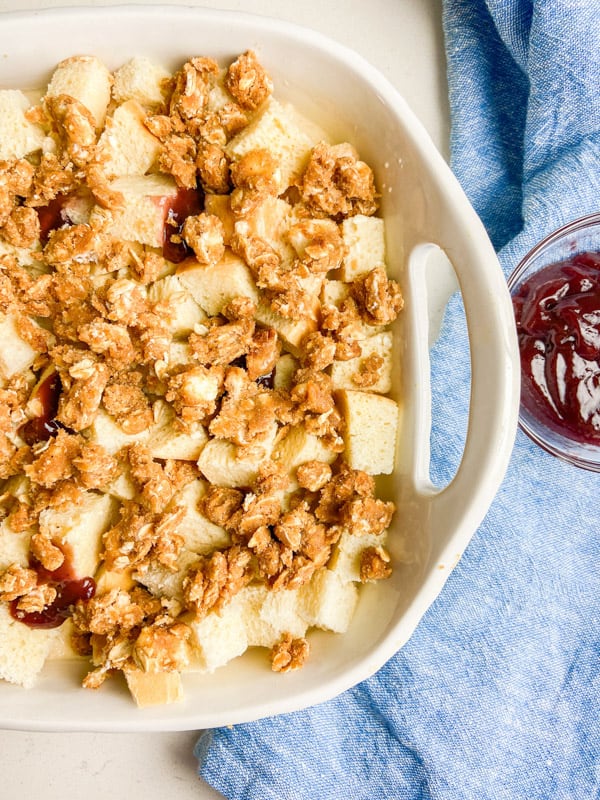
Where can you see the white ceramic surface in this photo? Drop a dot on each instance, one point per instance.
(424, 208)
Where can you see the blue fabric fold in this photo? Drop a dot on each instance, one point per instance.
(497, 694)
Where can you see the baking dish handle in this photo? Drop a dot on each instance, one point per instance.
(434, 274)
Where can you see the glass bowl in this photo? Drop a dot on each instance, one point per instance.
(556, 298)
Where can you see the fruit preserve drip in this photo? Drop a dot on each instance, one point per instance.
(69, 589)
(186, 203)
(41, 428)
(52, 217)
(557, 312)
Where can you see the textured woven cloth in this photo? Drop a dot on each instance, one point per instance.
(497, 694)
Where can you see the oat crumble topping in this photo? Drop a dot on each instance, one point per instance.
(136, 346)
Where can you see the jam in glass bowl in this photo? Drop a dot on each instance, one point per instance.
(556, 298)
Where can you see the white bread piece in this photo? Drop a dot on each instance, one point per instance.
(345, 559)
(60, 646)
(163, 582)
(299, 446)
(371, 431)
(221, 466)
(126, 146)
(291, 331)
(333, 293)
(18, 136)
(16, 355)
(122, 487)
(141, 217)
(86, 79)
(166, 440)
(364, 244)
(284, 371)
(269, 614)
(105, 431)
(219, 205)
(284, 133)
(140, 79)
(14, 546)
(23, 650)
(80, 529)
(108, 579)
(23, 255)
(200, 535)
(327, 602)
(153, 688)
(270, 221)
(213, 286)
(380, 344)
(182, 312)
(217, 638)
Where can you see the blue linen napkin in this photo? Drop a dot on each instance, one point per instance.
(497, 694)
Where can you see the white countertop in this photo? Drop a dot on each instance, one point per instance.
(403, 39)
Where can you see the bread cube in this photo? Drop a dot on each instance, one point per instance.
(327, 602)
(220, 464)
(105, 431)
(267, 615)
(284, 371)
(213, 286)
(333, 293)
(80, 529)
(163, 582)
(86, 79)
(126, 146)
(371, 431)
(23, 650)
(182, 312)
(142, 80)
(299, 446)
(153, 688)
(284, 133)
(16, 355)
(345, 559)
(22, 255)
(343, 372)
(291, 331)
(167, 440)
(18, 136)
(141, 217)
(270, 221)
(200, 535)
(219, 205)
(61, 646)
(217, 638)
(14, 546)
(107, 580)
(364, 241)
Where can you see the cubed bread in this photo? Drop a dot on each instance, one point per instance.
(333, 293)
(327, 602)
(284, 370)
(153, 688)
(212, 287)
(345, 559)
(18, 136)
(220, 206)
(277, 129)
(299, 446)
(141, 217)
(371, 431)
(163, 582)
(14, 546)
(80, 529)
(343, 372)
(267, 615)
(105, 431)
(220, 464)
(177, 306)
(16, 354)
(86, 79)
(269, 220)
(291, 331)
(23, 650)
(166, 440)
(200, 535)
(217, 638)
(364, 245)
(126, 146)
(142, 80)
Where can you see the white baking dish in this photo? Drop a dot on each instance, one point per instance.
(425, 210)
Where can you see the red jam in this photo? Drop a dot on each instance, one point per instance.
(69, 589)
(40, 429)
(52, 217)
(557, 311)
(186, 203)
